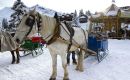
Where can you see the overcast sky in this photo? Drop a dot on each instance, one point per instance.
(69, 5)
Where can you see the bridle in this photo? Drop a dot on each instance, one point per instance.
(30, 21)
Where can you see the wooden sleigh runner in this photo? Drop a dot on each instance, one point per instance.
(98, 43)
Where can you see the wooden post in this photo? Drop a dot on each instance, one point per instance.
(117, 27)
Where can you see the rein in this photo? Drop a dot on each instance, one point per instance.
(70, 29)
(56, 34)
(29, 31)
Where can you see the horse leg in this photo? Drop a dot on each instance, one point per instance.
(54, 66)
(17, 54)
(13, 57)
(73, 57)
(68, 58)
(64, 65)
(80, 61)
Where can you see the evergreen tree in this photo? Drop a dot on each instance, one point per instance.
(75, 14)
(88, 13)
(5, 24)
(81, 13)
(96, 13)
(19, 10)
(75, 18)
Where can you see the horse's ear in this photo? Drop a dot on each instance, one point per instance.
(33, 10)
(56, 17)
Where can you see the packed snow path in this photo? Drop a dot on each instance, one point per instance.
(116, 66)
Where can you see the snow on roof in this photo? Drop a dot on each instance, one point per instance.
(111, 13)
(125, 13)
(96, 15)
(112, 10)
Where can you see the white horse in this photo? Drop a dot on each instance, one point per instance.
(57, 37)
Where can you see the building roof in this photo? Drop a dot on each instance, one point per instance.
(125, 14)
(111, 10)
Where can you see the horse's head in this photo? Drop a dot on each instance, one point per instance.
(25, 26)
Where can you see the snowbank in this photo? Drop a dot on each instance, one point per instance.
(116, 66)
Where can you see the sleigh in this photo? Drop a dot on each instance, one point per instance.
(33, 46)
(98, 43)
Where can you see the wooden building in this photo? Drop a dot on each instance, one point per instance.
(112, 18)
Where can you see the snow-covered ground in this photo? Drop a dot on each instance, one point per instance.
(116, 66)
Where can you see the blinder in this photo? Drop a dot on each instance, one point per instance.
(30, 21)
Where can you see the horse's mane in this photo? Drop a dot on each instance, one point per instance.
(48, 23)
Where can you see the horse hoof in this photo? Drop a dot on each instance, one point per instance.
(77, 68)
(17, 62)
(66, 79)
(81, 70)
(68, 64)
(74, 63)
(52, 79)
(12, 62)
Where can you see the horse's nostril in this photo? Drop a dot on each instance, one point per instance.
(17, 40)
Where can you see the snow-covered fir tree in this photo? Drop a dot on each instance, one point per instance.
(5, 24)
(19, 10)
(81, 13)
(88, 13)
(75, 18)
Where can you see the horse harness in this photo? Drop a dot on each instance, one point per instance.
(30, 22)
(71, 30)
(56, 31)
